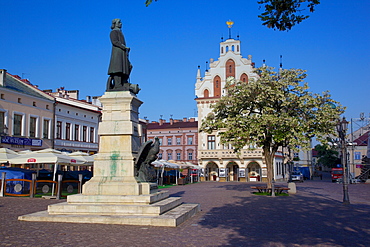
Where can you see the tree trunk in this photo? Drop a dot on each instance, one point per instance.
(269, 159)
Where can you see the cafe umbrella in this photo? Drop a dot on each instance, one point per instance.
(47, 156)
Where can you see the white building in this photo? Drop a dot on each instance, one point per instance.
(220, 163)
(26, 114)
(76, 122)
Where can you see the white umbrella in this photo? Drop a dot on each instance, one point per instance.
(46, 156)
(89, 159)
(6, 154)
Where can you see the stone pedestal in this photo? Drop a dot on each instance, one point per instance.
(113, 196)
(119, 142)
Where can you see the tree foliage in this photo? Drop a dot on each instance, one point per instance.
(284, 14)
(327, 156)
(275, 111)
(281, 14)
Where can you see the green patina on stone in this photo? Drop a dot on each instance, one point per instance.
(114, 157)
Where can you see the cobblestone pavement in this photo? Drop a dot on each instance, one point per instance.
(231, 216)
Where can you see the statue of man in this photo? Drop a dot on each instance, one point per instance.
(119, 67)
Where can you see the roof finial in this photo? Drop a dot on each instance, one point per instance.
(229, 24)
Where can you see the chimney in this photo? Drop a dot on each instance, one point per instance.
(88, 99)
(2, 76)
(161, 121)
(184, 119)
(171, 121)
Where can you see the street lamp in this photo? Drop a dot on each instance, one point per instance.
(342, 127)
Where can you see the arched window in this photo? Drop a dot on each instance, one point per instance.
(230, 68)
(244, 78)
(237, 48)
(233, 48)
(227, 48)
(217, 86)
(222, 50)
(206, 93)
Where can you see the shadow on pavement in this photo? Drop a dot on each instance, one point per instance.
(290, 221)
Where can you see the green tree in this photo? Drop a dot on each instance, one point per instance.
(327, 156)
(272, 112)
(281, 14)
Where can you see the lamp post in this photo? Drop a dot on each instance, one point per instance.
(342, 127)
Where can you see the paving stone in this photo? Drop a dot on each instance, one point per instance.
(230, 216)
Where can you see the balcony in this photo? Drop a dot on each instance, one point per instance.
(229, 153)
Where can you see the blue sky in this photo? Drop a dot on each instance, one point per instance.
(66, 43)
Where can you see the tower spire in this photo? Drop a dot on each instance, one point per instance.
(229, 24)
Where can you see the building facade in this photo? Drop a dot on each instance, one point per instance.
(76, 122)
(178, 139)
(219, 162)
(26, 114)
(32, 119)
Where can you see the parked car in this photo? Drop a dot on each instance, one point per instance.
(297, 176)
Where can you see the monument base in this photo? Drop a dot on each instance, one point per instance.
(157, 209)
(113, 195)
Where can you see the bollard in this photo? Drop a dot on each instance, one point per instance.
(2, 189)
(59, 190)
(80, 177)
(273, 187)
(32, 186)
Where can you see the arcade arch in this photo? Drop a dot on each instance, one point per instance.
(233, 170)
(211, 171)
(254, 171)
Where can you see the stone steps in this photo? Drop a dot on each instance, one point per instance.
(171, 218)
(126, 199)
(156, 208)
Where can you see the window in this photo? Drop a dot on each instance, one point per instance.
(244, 78)
(17, 129)
(84, 133)
(59, 130)
(34, 103)
(68, 131)
(178, 141)
(160, 156)
(230, 68)
(33, 122)
(77, 132)
(206, 93)
(178, 156)
(169, 141)
(92, 132)
(217, 86)
(45, 131)
(190, 140)
(212, 142)
(169, 156)
(2, 122)
(160, 141)
(190, 155)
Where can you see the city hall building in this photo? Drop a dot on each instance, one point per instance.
(219, 162)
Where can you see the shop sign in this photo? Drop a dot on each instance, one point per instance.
(21, 141)
(222, 173)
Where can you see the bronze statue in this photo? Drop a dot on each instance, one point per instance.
(147, 154)
(119, 66)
